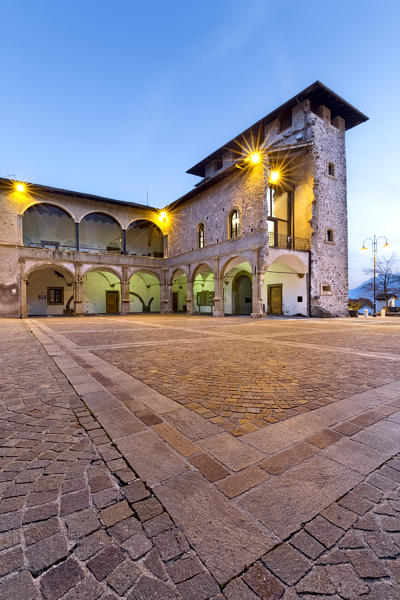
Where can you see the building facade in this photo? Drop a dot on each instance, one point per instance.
(263, 232)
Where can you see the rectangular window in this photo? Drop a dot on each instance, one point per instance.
(55, 295)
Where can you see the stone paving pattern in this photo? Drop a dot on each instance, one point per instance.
(110, 488)
(277, 382)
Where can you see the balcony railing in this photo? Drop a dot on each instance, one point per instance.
(288, 242)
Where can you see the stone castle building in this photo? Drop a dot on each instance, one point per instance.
(263, 232)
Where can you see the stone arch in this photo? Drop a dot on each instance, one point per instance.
(60, 206)
(48, 225)
(200, 267)
(144, 237)
(101, 212)
(101, 233)
(90, 268)
(286, 285)
(177, 272)
(292, 260)
(242, 293)
(47, 289)
(144, 291)
(136, 270)
(233, 261)
(53, 266)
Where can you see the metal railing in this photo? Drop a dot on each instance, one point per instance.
(288, 242)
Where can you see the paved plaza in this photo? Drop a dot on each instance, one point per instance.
(173, 457)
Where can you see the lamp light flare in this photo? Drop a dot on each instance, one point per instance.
(255, 157)
(387, 245)
(20, 187)
(162, 216)
(274, 176)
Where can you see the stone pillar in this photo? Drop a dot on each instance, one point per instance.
(218, 308)
(78, 292)
(258, 310)
(77, 243)
(24, 306)
(190, 298)
(125, 297)
(165, 293)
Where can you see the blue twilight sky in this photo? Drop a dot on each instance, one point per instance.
(111, 97)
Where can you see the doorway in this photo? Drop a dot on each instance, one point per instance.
(242, 294)
(112, 302)
(275, 299)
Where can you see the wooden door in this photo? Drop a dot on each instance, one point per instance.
(275, 299)
(112, 302)
(175, 301)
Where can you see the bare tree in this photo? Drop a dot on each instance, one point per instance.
(387, 279)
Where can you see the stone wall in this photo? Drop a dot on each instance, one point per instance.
(329, 260)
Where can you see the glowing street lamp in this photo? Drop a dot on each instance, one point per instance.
(20, 187)
(364, 248)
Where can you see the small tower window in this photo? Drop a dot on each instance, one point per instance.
(201, 235)
(234, 224)
(331, 169)
(329, 236)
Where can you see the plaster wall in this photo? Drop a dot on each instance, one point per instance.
(292, 288)
(147, 286)
(95, 285)
(36, 293)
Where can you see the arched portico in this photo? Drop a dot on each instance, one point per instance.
(47, 289)
(47, 225)
(144, 238)
(179, 289)
(101, 291)
(144, 292)
(286, 286)
(203, 289)
(237, 287)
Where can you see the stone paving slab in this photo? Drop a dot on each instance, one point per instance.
(230, 451)
(357, 456)
(192, 425)
(223, 536)
(299, 494)
(151, 458)
(384, 435)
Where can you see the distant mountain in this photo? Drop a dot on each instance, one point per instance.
(359, 291)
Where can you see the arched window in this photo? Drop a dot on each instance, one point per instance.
(99, 232)
(234, 224)
(201, 235)
(144, 238)
(48, 226)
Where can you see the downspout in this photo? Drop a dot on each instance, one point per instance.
(309, 283)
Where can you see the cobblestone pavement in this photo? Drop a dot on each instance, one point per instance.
(75, 521)
(283, 368)
(110, 488)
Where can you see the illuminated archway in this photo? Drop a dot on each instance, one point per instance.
(179, 291)
(48, 226)
(99, 232)
(203, 289)
(144, 238)
(286, 290)
(49, 291)
(101, 292)
(237, 287)
(144, 292)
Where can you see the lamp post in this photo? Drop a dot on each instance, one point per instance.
(364, 248)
